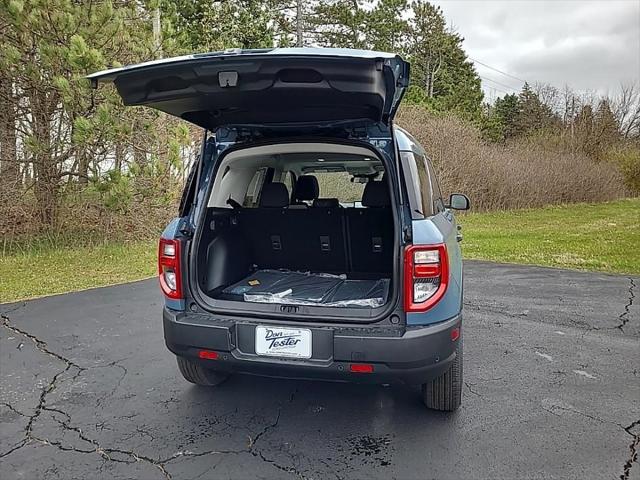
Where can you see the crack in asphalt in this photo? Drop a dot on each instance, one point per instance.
(578, 412)
(633, 450)
(109, 453)
(634, 447)
(624, 316)
(29, 437)
(253, 441)
(125, 372)
(469, 385)
(92, 446)
(258, 453)
(13, 409)
(40, 344)
(42, 347)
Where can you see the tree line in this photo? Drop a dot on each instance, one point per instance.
(63, 144)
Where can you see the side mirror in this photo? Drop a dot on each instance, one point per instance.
(459, 201)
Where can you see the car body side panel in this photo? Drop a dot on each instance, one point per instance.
(172, 232)
(440, 228)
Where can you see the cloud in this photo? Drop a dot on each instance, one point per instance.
(587, 45)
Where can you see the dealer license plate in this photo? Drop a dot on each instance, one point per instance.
(283, 342)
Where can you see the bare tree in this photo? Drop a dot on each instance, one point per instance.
(626, 109)
(549, 95)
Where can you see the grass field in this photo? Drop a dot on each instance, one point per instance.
(45, 269)
(603, 237)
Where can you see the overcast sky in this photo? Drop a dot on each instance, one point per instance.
(589, 45)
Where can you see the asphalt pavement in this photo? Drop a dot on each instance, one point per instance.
(552, 390)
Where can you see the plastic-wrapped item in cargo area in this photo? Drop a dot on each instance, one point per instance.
(304, 288)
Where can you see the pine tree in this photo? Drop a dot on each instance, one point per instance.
(66, 129)
(533, 115)
(499, 121)
(205, 25)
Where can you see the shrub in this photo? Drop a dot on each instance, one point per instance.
(519, 174)
(627, 159)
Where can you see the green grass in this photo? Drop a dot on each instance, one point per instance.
(43, 269)
(601, 237)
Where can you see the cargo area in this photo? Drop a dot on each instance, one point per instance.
(306, 288)
(299, 224)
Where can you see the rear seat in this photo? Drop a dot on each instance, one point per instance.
(370, 231)
(263, 227)
(319, 242)
(316, 234)
(325, 238)
(305, 190)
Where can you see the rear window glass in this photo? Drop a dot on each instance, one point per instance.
(252, 198)
(339, 185)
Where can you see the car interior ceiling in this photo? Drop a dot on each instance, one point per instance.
(298, 231)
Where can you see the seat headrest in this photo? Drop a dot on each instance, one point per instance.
(274, 195)
(306, 188)
(326, 202)
(376, 194)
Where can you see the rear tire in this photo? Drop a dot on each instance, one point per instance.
(195, 373)
(445, 392)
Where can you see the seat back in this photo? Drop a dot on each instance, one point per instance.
(264, 227)
(370, 231)
(306, 189)
(325, 238)
(318, 235)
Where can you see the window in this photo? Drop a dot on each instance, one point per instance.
(418, 184)
(288, 178)
(339, 185)
(252, 198)
(438, 203)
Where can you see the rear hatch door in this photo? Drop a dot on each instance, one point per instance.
(283, 86)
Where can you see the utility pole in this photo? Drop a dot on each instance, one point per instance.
(299, 39)
(157, 31)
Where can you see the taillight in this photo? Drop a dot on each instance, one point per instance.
(426, 273)
(169, 268)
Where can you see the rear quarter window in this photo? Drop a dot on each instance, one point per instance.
(419, 184)
(436, 193)
(252, 198)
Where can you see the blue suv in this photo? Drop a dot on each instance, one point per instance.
(312, 240)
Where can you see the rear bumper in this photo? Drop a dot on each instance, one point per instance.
(413, 356)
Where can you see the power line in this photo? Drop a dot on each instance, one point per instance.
(499, 83)
(496, 89)
(497, 70)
